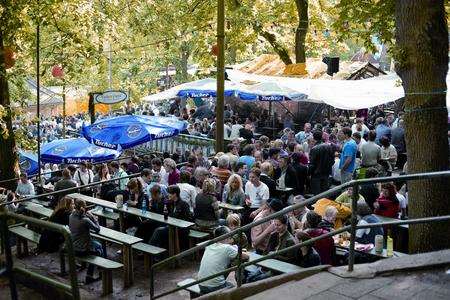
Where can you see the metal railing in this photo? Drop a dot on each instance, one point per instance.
(184, 142)
(11, 271)
(355, 196)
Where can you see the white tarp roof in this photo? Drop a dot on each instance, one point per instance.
(343, 94)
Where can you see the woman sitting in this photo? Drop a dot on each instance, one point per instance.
(136, 198)
(50, 240)
(325, 247)
(81, 223)
(171, 169)
(346, 197)
(387, 204)
(206, 212)
(233, 192)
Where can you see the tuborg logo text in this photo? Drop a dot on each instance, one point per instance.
(25, 165)
(58, 150)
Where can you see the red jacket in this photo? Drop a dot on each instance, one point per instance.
(387, 207)
(325, 247)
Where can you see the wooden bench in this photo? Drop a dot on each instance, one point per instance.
(194, 290)
(194, 237)
(104, 215)
(23, 236)
(149, 251)
(105, 266)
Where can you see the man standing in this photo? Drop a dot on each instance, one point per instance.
(305, 134)
(382, 129)
(398, 141)
(348, 156)
(321, 160)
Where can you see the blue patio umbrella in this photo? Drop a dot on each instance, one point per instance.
(75, 150)
(125, 132)
(28, 162)
(205, 88)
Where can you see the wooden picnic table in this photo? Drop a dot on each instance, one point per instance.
(39, 210)
(400, 233)
(126, 240)
(173, 223)
(226, 207)
(342, 250)
(275, 264)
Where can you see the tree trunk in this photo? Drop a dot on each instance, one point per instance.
(422, 41)
(184, 62)
(279, 49)
(8, 151)
(301, 31)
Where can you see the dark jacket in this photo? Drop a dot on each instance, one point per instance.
(277, 242)
(370, 193)
(325, 247)
(290, 179)
(398, 139)
(370, 237)
(321, 160)
(271, 184)
(206, 207)
(50, 240)
(302, 176)
(180, 210)
(311, 259)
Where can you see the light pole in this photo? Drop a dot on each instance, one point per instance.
(220, 74)
(38, 100)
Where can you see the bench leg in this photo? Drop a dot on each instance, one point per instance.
(25, 247)
(147, 264)
(62, 263)
(107, 287)
(19, 247)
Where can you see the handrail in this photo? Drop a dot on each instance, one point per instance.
(352, 227)
(306, 243)
(11, 270)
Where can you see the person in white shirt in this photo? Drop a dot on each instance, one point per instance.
(24, 187)
(157, 167)
(188, 192)
(256, 192)
(235, 131)
(84, 176)
(360, 127)
(216, 258)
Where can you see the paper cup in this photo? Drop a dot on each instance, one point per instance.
(119, 201)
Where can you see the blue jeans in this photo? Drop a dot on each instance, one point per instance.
(96, 249)
(208, 289)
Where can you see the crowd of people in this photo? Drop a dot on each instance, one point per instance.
(260, 174)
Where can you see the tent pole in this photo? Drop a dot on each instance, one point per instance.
(38, 100)
(220, 75)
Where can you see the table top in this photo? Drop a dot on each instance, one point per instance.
(231, 206)
(119, 236)
(39, 209)
(285, 189)
(275, 264)
(134, 211)
(372, 252)
(387, 219)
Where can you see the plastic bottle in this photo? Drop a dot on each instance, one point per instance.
(166, 212)
(389, 245)
(144, 207)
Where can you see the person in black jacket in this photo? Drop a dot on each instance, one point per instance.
(301, 170)
(321, 160)
(265, 177)
(370, 191)
(178, 209)
(50, 240)
(288, 177)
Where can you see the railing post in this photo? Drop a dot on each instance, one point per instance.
(355, 197)
(239, 260)
(8, 256)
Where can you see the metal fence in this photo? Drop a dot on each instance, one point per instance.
(183, 142)
(354, 183)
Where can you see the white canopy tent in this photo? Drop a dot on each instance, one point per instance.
(343, 94)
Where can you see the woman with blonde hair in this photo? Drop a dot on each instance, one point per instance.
(50, 240)
(233, 191)
(206, 210)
